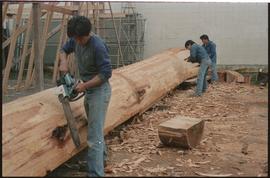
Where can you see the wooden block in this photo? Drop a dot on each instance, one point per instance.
(181, 131)
(233, 76)
(247, 79)
(221, 76)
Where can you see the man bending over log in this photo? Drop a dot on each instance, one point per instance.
(199, 54)
(95, 70)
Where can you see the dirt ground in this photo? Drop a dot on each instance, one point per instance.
(234, 140)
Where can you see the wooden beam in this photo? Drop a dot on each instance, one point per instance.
(44, 36)
(4, 12)
(20, 30)
(31, 61)
(25, 50)
(19, 14)
(28, 122)
(107, 15)
(58, 9)
(117, 36)
(62, 34)
(11, 50)
(17, 33)
(54, 31)
(37, 46)
(30, 67)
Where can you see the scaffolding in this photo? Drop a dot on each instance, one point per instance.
(123, 32)
(130, 36)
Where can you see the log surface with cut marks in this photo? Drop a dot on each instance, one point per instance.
(28, 122)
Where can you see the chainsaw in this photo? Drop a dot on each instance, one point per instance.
(67, 93)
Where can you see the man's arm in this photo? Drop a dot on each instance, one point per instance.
(64, 52)
(104, 66)
(213, 53)
(63, 62)
(193, 52)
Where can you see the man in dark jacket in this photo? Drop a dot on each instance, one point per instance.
(95, 70)
(210, 47)
(198, 54)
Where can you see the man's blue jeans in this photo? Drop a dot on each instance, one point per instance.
(96, 102)
(214, 75)
(201, 79)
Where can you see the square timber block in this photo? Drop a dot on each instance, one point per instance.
(221, 76)
(181, 131)
(233, 76)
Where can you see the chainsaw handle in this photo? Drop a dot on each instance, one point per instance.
(77, 98)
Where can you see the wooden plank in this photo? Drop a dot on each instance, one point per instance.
(30, 149)
(50, 7)
(80, 9)
(181, 131)
(107, 15)
(20, 30)
(117, 36)
(4, 12)
(37, 46)
(31, 61)
(87, 9)
(17, 33)
(62, 35)
(43, 41)
(19, 14)
(11, 50)
(32, 79)
(97, 19)
(54, 31)
(25, 51)
(44, 36)
(30, 67)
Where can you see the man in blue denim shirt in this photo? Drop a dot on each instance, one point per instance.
(198, 54)
(95, 70)
(210, 47)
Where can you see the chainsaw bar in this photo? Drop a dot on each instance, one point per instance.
(71, 121)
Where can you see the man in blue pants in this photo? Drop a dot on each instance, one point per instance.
(198, 54)
(210, 48)
(95, 70)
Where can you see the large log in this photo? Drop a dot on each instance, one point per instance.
(28, 122)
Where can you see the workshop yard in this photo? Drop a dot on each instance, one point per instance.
(234, 141)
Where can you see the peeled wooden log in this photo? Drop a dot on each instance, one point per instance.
(28, 122)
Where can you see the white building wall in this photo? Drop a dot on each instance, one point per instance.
(240, 30)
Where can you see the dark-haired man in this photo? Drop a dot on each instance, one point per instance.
(198, 54)
(210, 47)
(95, 70)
